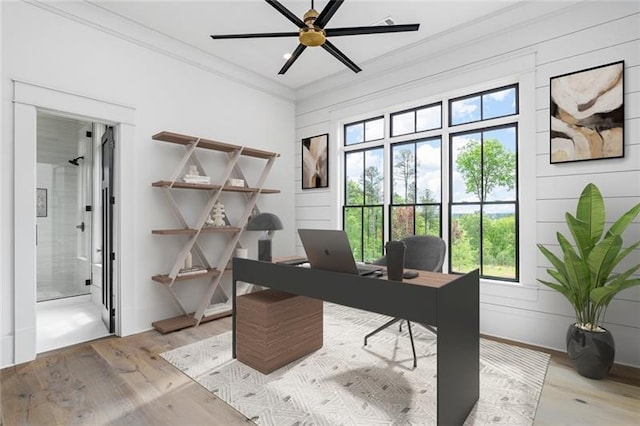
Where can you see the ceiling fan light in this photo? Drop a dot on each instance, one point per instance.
(286, 56)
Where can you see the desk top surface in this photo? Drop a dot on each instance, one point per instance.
(424, 278)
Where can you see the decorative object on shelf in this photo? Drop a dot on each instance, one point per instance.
(315, 162)
(217, 215)
(41, 202)
(235, 182)
(587, 114)
(269, 223)
(191, 270)
(188, 260)
(584, 275)
(193, 176)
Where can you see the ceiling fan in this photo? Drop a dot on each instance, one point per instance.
(313, 32)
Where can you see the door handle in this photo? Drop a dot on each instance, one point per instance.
(80, 227)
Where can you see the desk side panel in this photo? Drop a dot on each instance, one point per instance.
(458, 348)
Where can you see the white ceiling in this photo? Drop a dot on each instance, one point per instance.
(192, 22)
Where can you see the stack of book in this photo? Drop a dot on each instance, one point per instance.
(197, 179)
(193, 270)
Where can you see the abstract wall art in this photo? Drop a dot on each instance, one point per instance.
(315, 162)
(587, 114)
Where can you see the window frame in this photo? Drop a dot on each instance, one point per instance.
(415, 119)
(481, 94)
(364, 130)
(415, 204)
(364, 205)
(482, 203)
(445, 132)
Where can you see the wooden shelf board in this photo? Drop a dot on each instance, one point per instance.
(212, 144)
(209, 187)
(184, 321)
(164, 279)
(191, 231)
(184, 185)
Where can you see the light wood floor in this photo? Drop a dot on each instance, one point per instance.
(124, 381)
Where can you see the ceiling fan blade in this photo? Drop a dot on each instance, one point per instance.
(257, 35)
(287, 13)
(378, 29)
(329, 47)
(328, 12)
(296, 53)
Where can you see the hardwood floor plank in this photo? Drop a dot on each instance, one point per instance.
(124, 381)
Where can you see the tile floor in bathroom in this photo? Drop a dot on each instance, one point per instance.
(65, 322)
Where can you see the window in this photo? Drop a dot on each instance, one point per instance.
(364, 131)
(416, 120)
(415, 188)
(484, 106)
(481, 213)
(363, 204)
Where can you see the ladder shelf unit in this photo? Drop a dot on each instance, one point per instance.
(206, 311)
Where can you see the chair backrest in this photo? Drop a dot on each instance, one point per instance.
(424, 252)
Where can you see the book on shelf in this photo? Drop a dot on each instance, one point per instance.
(193, 270)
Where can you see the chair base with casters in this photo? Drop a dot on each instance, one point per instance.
(393, 321)
(423, 252)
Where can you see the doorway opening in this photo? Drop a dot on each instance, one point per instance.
(70, 232)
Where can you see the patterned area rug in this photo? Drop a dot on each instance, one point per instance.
(346, 383)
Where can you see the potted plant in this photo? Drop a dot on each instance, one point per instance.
(584, 274)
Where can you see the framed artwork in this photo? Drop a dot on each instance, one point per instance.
(315, 162)
(41, 202)
(587, 114)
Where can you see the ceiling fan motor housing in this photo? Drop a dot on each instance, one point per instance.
(311, 35)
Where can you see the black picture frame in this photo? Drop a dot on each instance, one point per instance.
(586, 114)
(315, 162)
(41, 202)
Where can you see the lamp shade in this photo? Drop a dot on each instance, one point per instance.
(264, 222)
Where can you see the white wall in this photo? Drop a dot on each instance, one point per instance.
(565, 40)
(168, 94)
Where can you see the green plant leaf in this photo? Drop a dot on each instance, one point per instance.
(555, 260)
(602, 295)
(626, 251)
(602, 259)
(621, 224)
(580, 232)
(590, 210)
(577, 271)
(570, 296)
(561, 279)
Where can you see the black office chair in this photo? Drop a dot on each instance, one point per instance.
(423, 252)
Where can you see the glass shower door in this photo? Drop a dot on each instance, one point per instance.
(64, 226)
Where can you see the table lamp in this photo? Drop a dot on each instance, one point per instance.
(269, 223)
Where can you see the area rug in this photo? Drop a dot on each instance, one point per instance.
(346, 383)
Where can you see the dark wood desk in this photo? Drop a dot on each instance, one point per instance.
(449, 302)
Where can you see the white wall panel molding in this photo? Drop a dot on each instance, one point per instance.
(407, 84)
(93, 15)
(534, 327)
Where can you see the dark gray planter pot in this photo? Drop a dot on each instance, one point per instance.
(591, 352)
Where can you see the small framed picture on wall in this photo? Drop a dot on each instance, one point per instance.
(41, 202)
(315, 162)
(587, 114)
